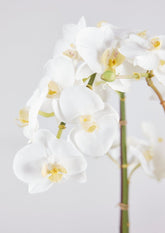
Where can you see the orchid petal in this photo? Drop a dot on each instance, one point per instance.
(149, 61)
(91, 43)
(68, 156)
(79, 100)
(97, 143)
(28, 162)
(61, 71)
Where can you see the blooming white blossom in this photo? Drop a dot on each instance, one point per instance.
(99, 49)
(28, 116)
(47, 161)
(67, 45)
(132, 160)
(154, 162)
(148, 152)
(95, 122)
(59, 74)
(146, 52)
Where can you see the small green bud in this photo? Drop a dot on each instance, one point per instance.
(108, 76)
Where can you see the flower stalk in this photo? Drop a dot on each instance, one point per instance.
(124, 217)
(154, 88)
(91, 81)
(61, 127)
(132, 172)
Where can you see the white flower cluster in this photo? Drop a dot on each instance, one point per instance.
(88, 63)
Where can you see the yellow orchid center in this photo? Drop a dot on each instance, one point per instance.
(71, 53)
(24, 117)
(112, 59)
(88, 124)
(53, 89)
(142, 34)
(156, 43)
(162, 62)
(148, 155)
(112, 62)
(55, 174)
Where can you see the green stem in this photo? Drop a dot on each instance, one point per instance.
(124, 221)
(61, 127)
(91, 80)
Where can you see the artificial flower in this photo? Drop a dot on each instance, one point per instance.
(67, 45)
(146, 52)
(47, 161)
(28, 116)
(95, 123)
(99, 49)
(59, 74)
(154, 157)
(148, 152)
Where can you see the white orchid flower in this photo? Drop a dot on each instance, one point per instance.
(155, 155)
(146, 52)
(60, 73)
(76, 101)
(149, 153)
(95, 134)
(28, 116)
(99, 49)
(132, 150)
(48, 161)
(119, 33)
(94, 122)
(67, 45)
(91, 43)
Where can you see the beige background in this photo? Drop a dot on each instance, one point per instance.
(28, 33)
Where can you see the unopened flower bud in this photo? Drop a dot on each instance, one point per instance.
(108, 76)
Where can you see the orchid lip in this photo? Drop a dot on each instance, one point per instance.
(88, 123)
(55, 173)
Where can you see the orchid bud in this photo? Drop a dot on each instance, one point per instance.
(108, 76)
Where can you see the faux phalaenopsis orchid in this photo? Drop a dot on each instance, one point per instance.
(88, 64)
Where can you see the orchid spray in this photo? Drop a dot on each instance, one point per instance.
(88, 64)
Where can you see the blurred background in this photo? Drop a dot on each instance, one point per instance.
(29, 30)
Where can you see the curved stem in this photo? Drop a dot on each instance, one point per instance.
(132, 172)
(124, 218)
(154, 88)
(113, 160)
